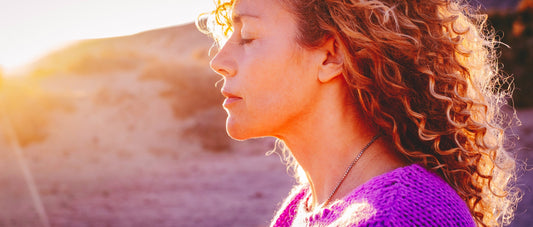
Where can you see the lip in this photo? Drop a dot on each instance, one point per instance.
(230, 98)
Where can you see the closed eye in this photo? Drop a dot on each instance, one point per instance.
(245, 41)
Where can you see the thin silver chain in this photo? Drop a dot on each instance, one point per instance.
(347, 171)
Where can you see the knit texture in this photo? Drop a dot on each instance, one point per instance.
(407, 196)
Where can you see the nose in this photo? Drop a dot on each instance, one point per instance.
(223, 64)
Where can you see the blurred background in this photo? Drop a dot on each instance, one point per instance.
(116, 122)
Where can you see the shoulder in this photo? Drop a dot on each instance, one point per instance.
(410, 196)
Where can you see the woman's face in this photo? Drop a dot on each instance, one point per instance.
(269, 81)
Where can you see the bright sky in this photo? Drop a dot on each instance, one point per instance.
(31, 28)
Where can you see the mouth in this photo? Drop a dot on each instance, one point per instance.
(230, 98)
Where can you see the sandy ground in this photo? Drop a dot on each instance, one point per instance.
(239, 188)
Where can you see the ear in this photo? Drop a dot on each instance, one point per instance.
(332, 61)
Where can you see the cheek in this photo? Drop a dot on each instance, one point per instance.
(275, 75)
(263, 109)
(270, 87)
(278, 98)
(276, 90)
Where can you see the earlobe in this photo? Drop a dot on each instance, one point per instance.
(332, 61)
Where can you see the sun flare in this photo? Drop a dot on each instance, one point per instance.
(32, 29)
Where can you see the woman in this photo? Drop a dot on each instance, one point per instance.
(388, 107)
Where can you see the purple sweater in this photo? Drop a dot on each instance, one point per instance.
(407, 196)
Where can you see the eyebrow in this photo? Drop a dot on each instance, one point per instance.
(237, 17)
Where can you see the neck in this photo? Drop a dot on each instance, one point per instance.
(327, 142)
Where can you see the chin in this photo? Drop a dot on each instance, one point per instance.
(236, 131)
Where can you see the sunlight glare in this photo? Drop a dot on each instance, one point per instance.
(30, 29)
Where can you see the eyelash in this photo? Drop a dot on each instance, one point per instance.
(245, 41)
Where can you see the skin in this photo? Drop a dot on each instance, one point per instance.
(274, 87)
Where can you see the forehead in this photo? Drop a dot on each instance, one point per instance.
(267, 17)
(257, 9)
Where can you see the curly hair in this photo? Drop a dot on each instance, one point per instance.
(425, 72)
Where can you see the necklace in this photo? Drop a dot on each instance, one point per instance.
(345, 173)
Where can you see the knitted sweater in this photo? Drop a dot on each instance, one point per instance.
(407, 196)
